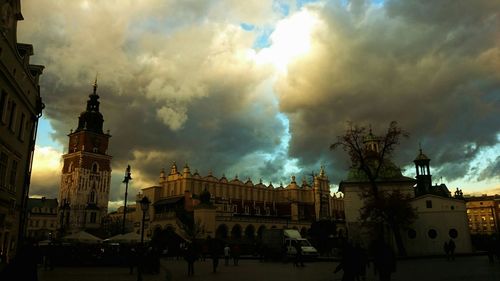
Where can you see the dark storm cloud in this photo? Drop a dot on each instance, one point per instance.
(178, 82)
(431, 66)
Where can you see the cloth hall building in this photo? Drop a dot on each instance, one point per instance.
(239, 208)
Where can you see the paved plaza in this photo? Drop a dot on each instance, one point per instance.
(475, 268)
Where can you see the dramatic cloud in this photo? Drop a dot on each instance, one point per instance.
(261, 88)
(434, 70)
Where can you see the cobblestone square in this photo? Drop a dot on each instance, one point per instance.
(475, 268)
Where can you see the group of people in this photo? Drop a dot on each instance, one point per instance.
(355, 261)
(213, 248)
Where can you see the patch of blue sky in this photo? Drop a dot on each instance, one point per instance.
(44, 134)
(282, 7)
(263, 39)
(378, 2)
(302, 3)
(247, 26)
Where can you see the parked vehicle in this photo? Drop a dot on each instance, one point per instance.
(280, 243)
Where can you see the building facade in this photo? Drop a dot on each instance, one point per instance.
(440, 217)
(86, 172)
(42, 219)
(238, 208)
(20, 108)
(483, 214)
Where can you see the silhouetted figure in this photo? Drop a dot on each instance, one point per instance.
(214, 252)
(446, 249)
(348, 263)
(190, 256)
(361, 260)
(131, 259)
(492, 249)
(235, 252)
(227, 252)
(451, 248)
(204, 251)
(384, 261)
(299, 261)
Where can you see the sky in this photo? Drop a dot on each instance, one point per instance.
(261, 89)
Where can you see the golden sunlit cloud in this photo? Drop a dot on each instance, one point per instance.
(46, 171)
(290, 40)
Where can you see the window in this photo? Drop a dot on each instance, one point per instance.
(3, 170)
(247, 210)
(412, 234)
(20, 134)
(428, 204)
(13, 175)
(235, 209)
(12, 115)
(268, 211)
(92, 197)
(93, 217)
(95, 168)
(432, 233)
(3, 104)
(453, 233)
(257, 210)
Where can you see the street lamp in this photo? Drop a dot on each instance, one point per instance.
(126, 180)
(144, 203)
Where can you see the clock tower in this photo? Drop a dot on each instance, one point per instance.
(86, 172)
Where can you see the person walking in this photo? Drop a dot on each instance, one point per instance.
(446, 248)
(190, 257)
(214, 252)
(227, 253)
(299, 261)
(384, 261)
(451, 249)
(235, 252)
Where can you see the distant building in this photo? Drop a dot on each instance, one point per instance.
(113, 223)
(483, 213)
(42, 219)
(86, 172)
(440, 216)
(20, 108)
(238, 209)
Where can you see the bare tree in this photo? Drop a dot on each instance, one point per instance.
(392, 209)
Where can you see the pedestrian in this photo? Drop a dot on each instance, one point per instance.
(347, 263)
(384, 261)
(131, 259)
(298, 255)
(235, 252)
(451, 248)
(214, 252)
(190, 257)
(446, 248)
(361, 262)
(227, 254)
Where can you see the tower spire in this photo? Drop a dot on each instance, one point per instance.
(95, 84)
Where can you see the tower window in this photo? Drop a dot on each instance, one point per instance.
(95, 168)
(93, 217)
(92, 197)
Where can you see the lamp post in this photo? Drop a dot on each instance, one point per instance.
(126, 180)
(144, 203)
